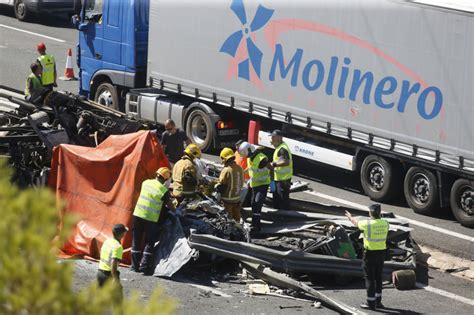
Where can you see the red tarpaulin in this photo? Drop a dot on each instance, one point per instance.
(101, 186)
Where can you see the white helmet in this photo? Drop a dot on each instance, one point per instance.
(245, 149)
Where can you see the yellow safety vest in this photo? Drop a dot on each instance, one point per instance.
(37, 86)
(110, 249)
(258, 176)
(47, 62)
(283, 172)
(149, 203)
(375, 233)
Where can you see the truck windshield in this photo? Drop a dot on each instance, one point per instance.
(93, 9)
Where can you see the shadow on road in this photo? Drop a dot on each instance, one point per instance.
(56, 20)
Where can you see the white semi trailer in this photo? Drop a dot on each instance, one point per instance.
(379, 87)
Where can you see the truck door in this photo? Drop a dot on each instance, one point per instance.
(112, 41)
(91, 41)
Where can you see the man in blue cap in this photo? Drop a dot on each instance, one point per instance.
(282, 171)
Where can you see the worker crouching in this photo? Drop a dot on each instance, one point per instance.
(230, 183)
(150, 212)
(185, 173)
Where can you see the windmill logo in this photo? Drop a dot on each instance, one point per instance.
(246, 36)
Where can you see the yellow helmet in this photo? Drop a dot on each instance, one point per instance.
(226, 154)
(164, 172)
(193, 151)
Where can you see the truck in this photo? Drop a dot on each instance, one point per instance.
(381, 88)
(25, 9)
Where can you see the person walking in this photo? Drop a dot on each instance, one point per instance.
(282, 171)
(259, 173)
(110, 256)
(173, 141)
(150, 212)
(48, 63)
(375, 230)
(185, 173)
(33, 87)
(231, 180)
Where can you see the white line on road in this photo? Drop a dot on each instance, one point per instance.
(32, 33)
(445, 293)
(414, 222)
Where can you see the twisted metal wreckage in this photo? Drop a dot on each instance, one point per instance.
(310, 239)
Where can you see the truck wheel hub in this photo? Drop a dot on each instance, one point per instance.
(199, 130)
(377, 176)
(467, 201)
(422, 189)
(105, 98)
(21, 8)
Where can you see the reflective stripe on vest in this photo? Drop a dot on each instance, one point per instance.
(149, 203)
(36, 84)
(258, 176)
(47, 62)
(106, 253)
(283, 172)
(376, 234)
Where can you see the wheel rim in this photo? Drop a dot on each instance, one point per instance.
(421, 188)
(105, 98)
(20, 8)
(467, 200)
(198, 129)
(376, 176)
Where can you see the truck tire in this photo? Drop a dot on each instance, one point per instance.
(21, 10)
(421, 190)
(379, 178)
(462, 202)
(199, 129)
(106, 95)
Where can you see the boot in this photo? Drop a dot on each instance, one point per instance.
(368, 306)
(136, 257)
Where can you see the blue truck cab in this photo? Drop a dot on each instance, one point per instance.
(112, 49)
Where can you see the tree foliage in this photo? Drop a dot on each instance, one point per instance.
(31, 279)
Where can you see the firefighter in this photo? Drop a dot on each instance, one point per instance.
(110, 256)
(231, 180)
(185, 173)
(259, 173)
(49, 76)
(150, 212)
(282, 171)
(375, 231)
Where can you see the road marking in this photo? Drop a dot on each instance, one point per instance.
(32, 33)
(414, 222)
(445, 293)
(209, 289)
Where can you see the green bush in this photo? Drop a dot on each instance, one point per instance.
(31, 279)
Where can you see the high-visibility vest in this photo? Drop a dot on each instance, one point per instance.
(258, 176)
(375, 233)
(234, 183)
(283, 172)
(149, 203)
(47, 62)
(36, 84)
(110, 249)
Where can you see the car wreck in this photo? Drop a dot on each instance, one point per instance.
(95, 159)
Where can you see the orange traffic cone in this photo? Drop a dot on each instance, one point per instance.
(69, 71)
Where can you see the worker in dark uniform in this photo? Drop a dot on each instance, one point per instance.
(185, 178)
(282, 171)
(150, 211)
(231, 180)
(259, 172)
(110, 256)
(375, 232)
(173, 141)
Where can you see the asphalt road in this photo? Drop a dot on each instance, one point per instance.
(18, 49)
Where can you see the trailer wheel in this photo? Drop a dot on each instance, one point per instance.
(199, 129)
(106, 95)
(379, 178)
(21, 11)
(421, 190)
(462, 202)
(404, 279)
